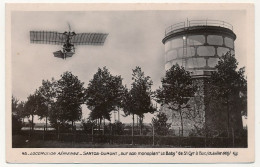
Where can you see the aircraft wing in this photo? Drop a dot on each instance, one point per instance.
(47, 37)
(89, 39)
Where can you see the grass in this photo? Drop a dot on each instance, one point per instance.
(56, 144)
(105, 141)
(20, 141)
(60, 144)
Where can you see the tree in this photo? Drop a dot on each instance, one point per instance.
(142, 94)
(70, 97)
(57, 119)
(16, 119)
(34, 103)
(104, 94)
(21, 111)
(161, 127)
(48, 93)
(129, 108)
(177, 88)
(14, 105)
(138, 100)
(227, 93)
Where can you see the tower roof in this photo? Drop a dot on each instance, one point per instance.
(199, 27)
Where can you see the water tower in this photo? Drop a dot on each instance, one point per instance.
(197, 45)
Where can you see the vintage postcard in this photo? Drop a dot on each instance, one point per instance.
(130, 83)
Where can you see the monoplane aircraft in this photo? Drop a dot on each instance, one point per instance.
(68, 40)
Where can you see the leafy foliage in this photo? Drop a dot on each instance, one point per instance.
(55, 116)
(21, 110)
(16, 115)
(34, 104)
(48, 93)
(177, 89)
(16, 124)
(70, 97)
(161, 127)
(14, 105)
(227, 91)
(18, 108)
(104, 94)
(138, 100)
(229, 83)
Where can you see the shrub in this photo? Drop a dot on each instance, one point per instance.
(16, 124)
(117, 128)
(87, 125)
(161, 127)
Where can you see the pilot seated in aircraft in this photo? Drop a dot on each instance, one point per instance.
(68, 47)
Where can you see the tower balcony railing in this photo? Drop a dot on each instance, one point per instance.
(191, 23)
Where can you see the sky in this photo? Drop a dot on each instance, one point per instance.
(134, 40)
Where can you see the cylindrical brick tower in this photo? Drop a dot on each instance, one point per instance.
(197, 45)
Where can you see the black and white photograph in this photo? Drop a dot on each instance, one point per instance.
(129, 79)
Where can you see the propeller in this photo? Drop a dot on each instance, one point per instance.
(72, 32)
(69, 26)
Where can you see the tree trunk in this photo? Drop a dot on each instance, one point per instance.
(104, 126)
(32, 123)
(96, 126)
(133, 129)
(228, 126)
(137, 122)
(141, 125)
(181, 121)
(47, 118)
(99, 124)
(153, 133)
(58, 130)
(46, 123)
(72, 126)
(118, 116)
